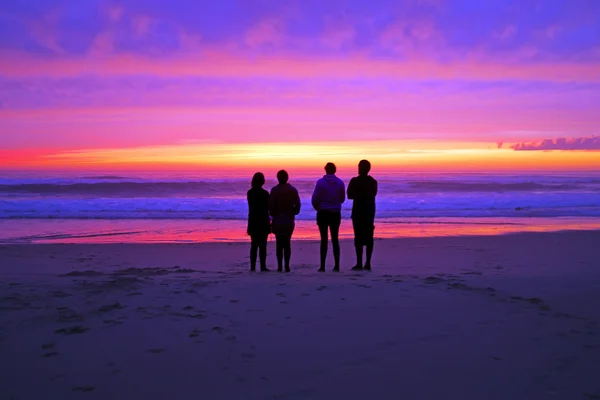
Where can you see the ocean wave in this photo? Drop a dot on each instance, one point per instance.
(450, 186)
(122, 187)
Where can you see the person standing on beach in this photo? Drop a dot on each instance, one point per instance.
(363, 189)
(284, 205)
(259, 223)
(327, 199)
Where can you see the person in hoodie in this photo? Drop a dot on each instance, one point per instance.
(327, 199)
(284, 205)
(259, 223)
(363, 190)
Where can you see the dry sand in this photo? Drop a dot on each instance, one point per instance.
(504, 317)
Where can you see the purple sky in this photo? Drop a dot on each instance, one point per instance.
(109, 74)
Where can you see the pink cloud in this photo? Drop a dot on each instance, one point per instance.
(209, 63)
(580, 143)
(114, 12)
(506, 33)
(337, 34)
(266, 32)
(45, 32)
(412, 37)
(141, 24)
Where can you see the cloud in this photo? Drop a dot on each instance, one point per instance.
(581, 143)
(141, 24)
(45, 32)
(115, 13)
(211, 62)
(266, 32)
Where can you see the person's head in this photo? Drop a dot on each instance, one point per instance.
(330, 168)
(258, 180)
(364, 167)
(282, 177)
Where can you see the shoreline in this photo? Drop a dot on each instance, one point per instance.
(219, 231)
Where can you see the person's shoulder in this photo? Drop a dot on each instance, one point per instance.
(372, 179)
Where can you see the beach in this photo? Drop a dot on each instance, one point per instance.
(466, 317)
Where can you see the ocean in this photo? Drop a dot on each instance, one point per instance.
(185, 207)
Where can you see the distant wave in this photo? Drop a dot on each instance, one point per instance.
(106, 177)
(119, 189)
(450, 186)
(125, 188)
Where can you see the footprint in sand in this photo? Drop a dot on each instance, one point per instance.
(72, 330)
(234, 301)
(186, 308)
(84, 388)
(112, 322)
(432, 279)
(156, 351)
(50, 354)
(280, 294)
(321, 288)
(195, 333)
(364, 286)
(365, 361)
(47, 346)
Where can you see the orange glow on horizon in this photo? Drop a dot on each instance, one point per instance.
(391, 155)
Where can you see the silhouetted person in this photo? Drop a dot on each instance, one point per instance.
(259, 223)
(363, 189)
(284, 205)
(327, 199)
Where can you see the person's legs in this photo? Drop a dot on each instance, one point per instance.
(253, 250)
(323, 232)
(262, 253)
(369, 243)
(358, 245)
(279, 252)
(287, 251)
(335, 243)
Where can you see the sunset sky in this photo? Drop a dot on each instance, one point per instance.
(420, 84)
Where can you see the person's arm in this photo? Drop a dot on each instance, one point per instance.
(249, 209)
(316, 197)
(351, 190)
(342, 193)
(272, 204)
(297, 206)
(375, 188)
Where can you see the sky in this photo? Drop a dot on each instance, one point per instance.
(416, 84)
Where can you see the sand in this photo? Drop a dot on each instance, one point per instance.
(497, 317)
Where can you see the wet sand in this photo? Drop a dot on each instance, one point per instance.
(487, 317)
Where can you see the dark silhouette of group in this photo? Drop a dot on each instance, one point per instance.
(276, 212)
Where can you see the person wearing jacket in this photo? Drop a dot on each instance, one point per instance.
(327, 199)
(363, 190)
(284, 205)
(258, 221)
